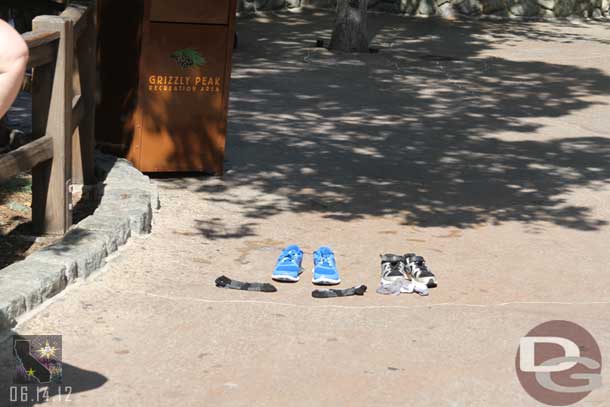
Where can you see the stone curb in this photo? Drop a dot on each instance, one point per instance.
(126, 209)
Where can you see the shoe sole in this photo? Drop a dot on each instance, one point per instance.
(286, 278)
(325, 280)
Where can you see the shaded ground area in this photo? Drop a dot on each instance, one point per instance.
(17, 238)
(416, 127)
(483, 147)
(15, 214)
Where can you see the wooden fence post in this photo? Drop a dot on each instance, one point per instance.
(51, 184)
(84, 138)
(42, 87)
(84, 86)
(77, 153)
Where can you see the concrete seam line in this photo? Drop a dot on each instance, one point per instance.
(126, 209)
(355, 307)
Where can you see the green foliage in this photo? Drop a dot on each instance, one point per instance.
(188, 58)
(20, 183)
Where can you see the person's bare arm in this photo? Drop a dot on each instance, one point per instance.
(13, 61)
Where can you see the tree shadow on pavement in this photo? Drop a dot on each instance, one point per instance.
(431, 128)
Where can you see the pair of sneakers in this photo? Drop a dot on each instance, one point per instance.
(410, 266)
(288, 267)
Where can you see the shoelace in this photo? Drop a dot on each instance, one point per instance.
(325, 259)
(419, 267)
(289, 257)
(389, 268)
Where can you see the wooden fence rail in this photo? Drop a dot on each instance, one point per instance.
(62, 55)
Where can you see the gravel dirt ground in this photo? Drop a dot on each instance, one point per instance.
(482, 146)
(17, 238)
(15, 214)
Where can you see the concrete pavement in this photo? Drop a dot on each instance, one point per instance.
(482, 146)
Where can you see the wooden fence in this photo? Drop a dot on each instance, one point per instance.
(63, 58)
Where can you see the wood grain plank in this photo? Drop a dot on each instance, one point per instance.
(25, 157)
(38, 39)
(78, 111)
(57, 216)
(87, 67)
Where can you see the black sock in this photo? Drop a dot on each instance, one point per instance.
(226, 282)
(332, 293)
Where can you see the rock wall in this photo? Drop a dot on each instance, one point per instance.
(452, 8)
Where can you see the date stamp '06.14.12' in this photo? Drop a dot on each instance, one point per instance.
(38, 374)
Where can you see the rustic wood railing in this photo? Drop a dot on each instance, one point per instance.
(62, 55)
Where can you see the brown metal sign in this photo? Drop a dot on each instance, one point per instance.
(119, 37)
(190, 11)
(180, 120)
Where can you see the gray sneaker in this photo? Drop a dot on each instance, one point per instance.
(393, 268)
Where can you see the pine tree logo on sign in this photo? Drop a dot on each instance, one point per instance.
(188, 58)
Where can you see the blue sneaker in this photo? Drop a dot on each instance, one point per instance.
(288, 267)
(324, 267)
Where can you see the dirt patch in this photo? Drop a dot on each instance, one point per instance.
(17, 238)
(15, 214)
